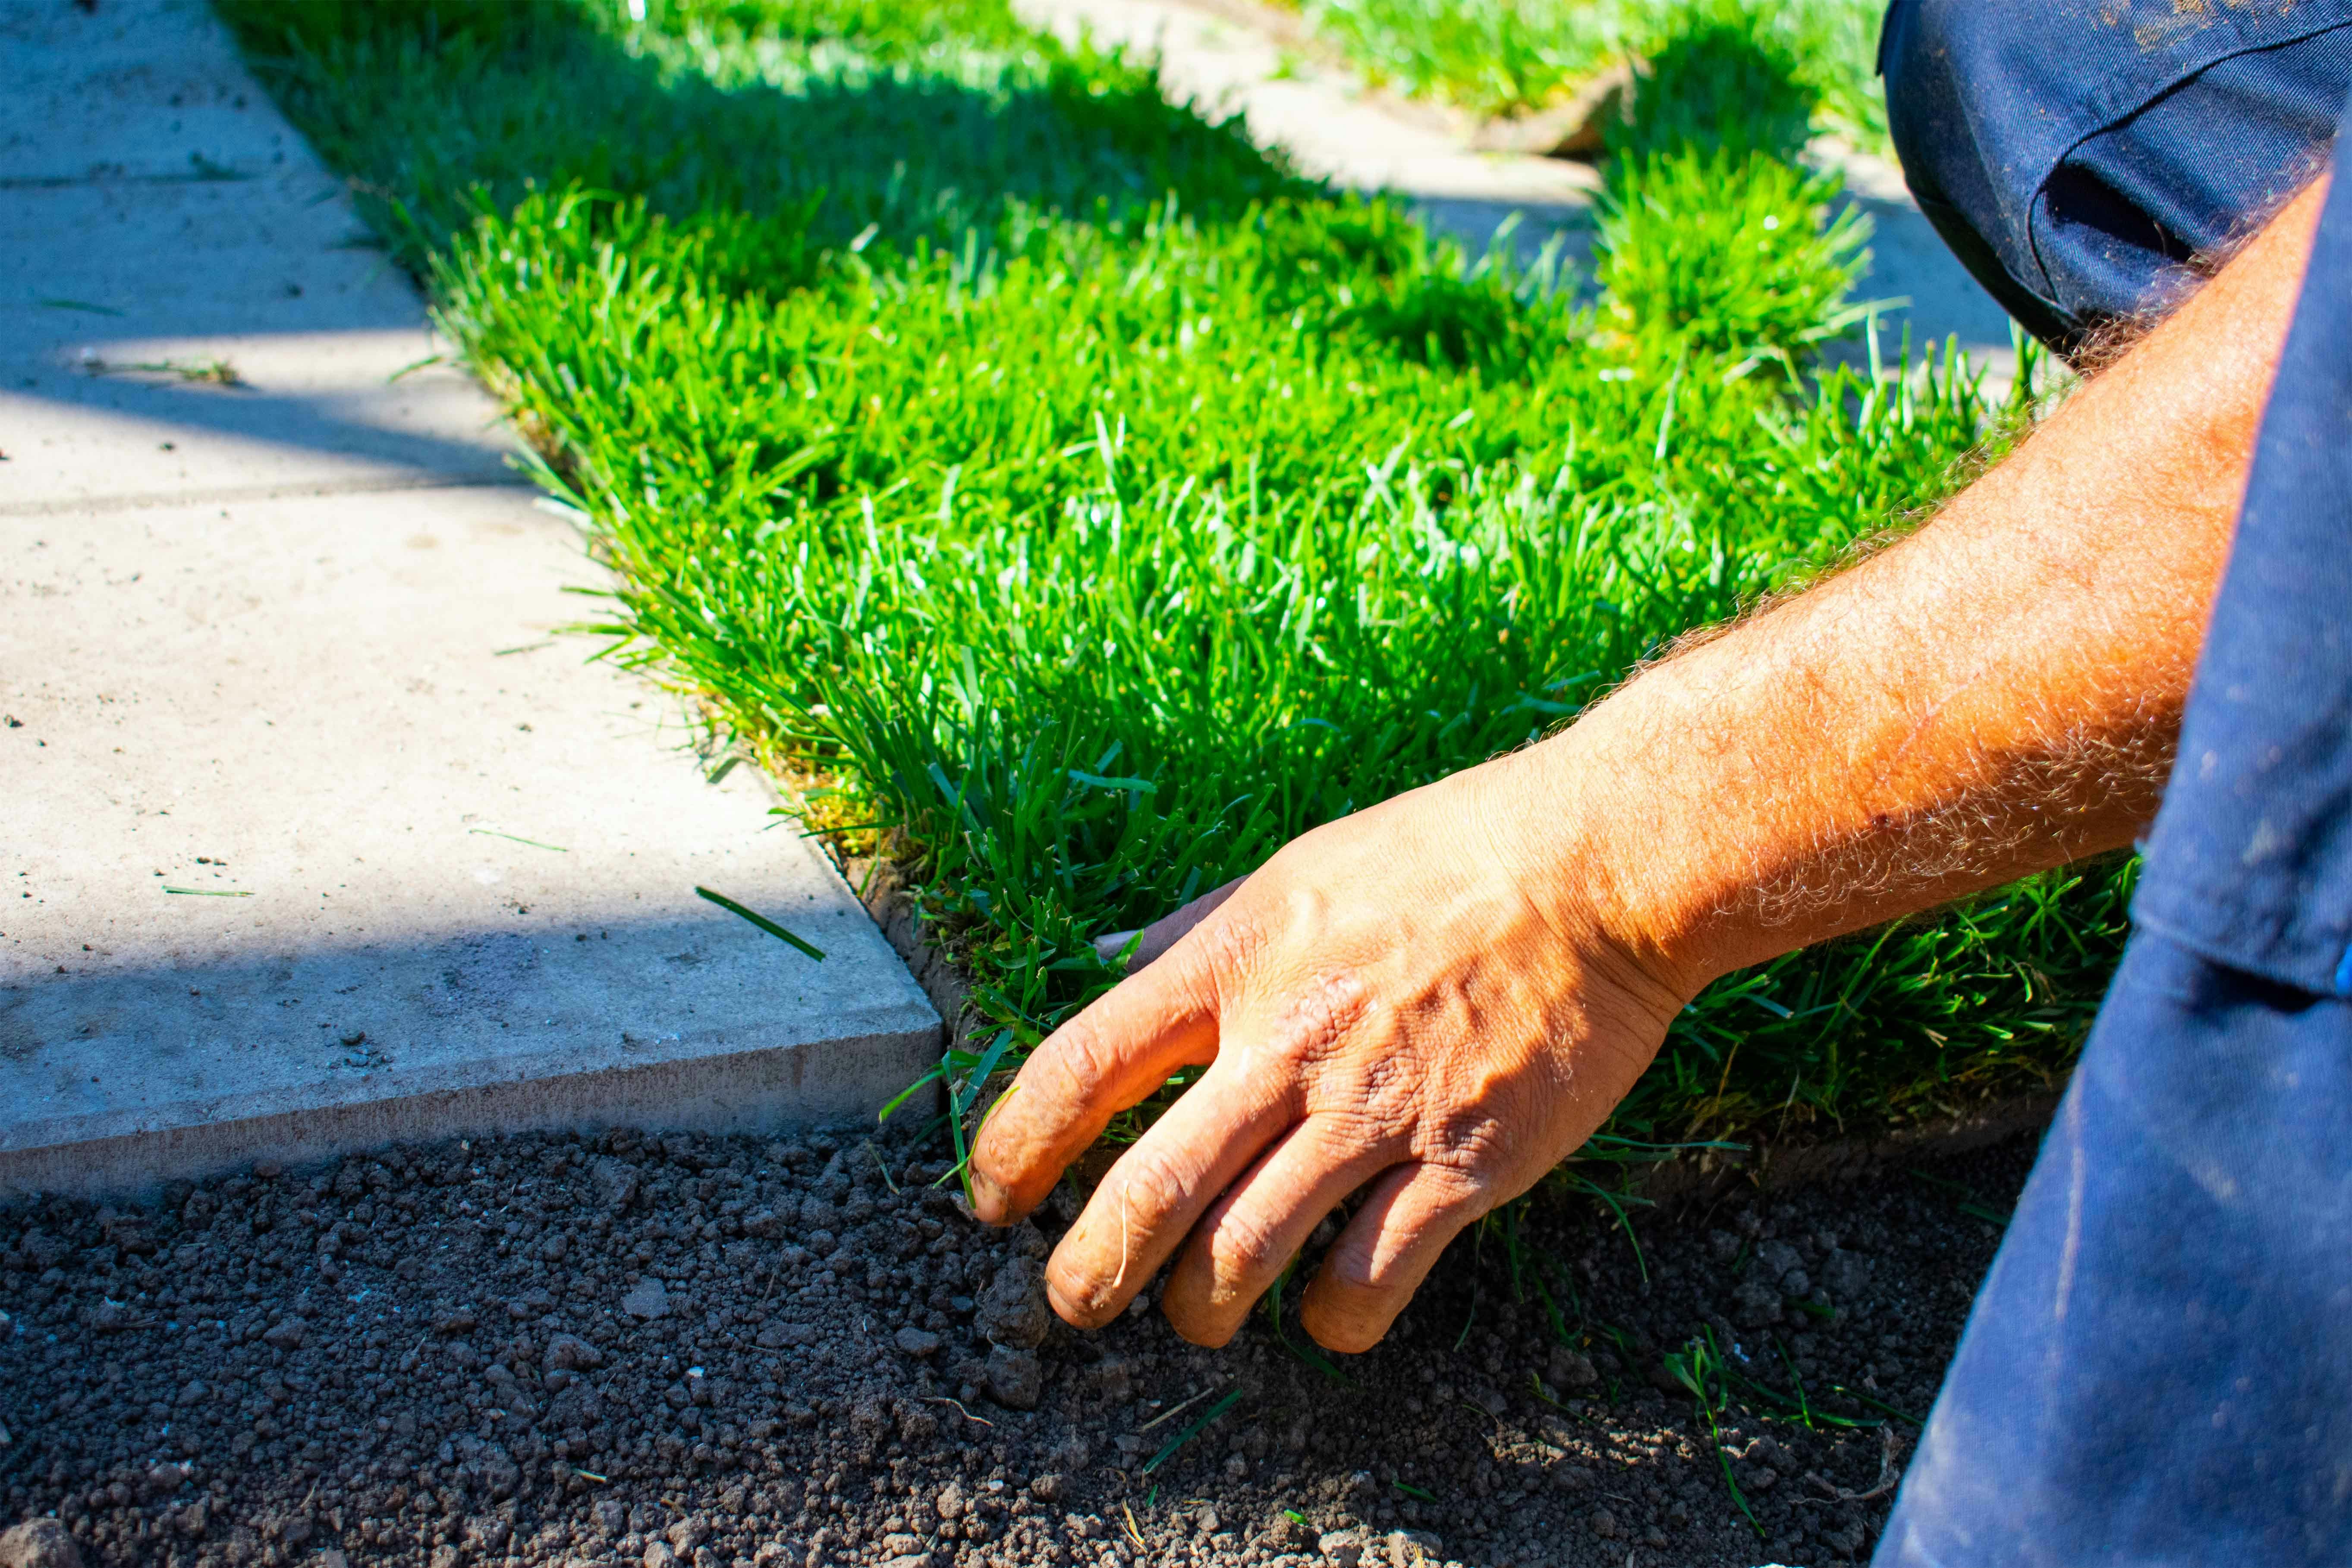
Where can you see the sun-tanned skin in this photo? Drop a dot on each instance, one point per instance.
(1443, 996)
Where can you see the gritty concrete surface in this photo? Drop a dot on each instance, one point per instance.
(311, 413)
(156, 212)
(1215, 55)
(289, 642)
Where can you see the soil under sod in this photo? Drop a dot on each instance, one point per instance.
(448, 1355)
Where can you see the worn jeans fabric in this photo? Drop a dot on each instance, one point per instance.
(2158, 1369)
(2250, 862)
(2074, 153)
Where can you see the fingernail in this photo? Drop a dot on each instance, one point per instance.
(990, 1201)
(1078, 1314)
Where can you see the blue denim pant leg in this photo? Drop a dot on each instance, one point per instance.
(2158, 1369)
(2075, 153)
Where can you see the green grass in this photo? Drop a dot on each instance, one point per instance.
(1088, 505)
(1504, 57)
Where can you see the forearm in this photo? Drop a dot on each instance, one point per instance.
(1436, 999)
(1996, 694)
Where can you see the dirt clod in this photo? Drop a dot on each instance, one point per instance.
(38, 1543)
(1341, 1548)
(1016, 1378)
(1013, 1310)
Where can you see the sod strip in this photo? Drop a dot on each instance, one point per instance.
(1094, 506)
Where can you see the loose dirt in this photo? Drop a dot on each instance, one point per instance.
(549, 1351)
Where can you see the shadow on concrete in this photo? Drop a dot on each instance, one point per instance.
(1475, 222)
(1939, 299)
(322, 394)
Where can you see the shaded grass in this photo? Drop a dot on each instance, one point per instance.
(1090, 505)
(832, 117)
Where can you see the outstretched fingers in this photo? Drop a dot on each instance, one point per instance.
(1099, 1063)
(1150, 1200)
(1380, 1260)
(1248, 1236)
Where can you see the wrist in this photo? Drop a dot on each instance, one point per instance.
(1618, 838)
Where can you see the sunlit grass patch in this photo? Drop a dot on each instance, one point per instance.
(1090, 505)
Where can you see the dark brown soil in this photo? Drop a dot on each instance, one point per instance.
(449, 1356)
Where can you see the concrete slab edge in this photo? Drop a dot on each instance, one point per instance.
(756, 1090)
(882, 886)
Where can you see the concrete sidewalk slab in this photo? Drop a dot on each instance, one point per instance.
(128, 258)
(132, 89)
(425, 848)
(290, 645)
(122, 298)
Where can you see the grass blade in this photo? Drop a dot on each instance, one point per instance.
(1195, 1429)
(535, 844)
(762, 921)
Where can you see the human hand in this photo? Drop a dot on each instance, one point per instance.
(1416, 997)
(1443, 995)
